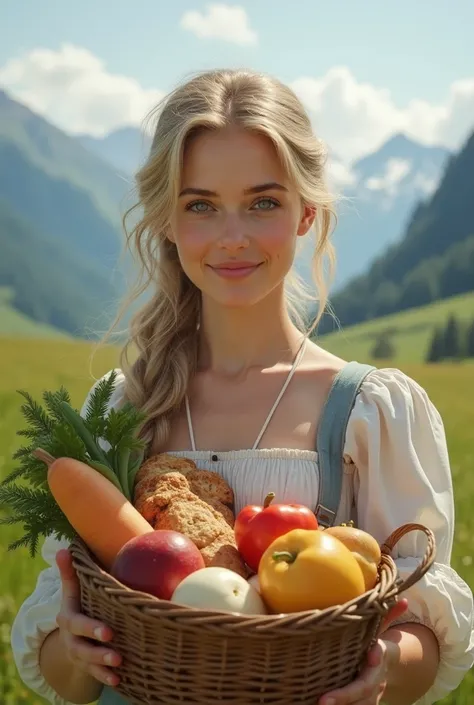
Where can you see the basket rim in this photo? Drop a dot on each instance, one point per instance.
(379, 597)
(377, 600)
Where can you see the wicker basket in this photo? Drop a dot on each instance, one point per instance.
(174, 654)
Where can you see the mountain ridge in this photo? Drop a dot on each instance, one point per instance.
(433, 259)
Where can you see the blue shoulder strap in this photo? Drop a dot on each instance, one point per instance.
(331, 437)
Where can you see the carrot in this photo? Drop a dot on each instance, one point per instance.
(100, 514)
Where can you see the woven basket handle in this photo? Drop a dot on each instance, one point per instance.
(428, 558)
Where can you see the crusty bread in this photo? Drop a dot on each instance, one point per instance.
(172, 493)
(161, 463)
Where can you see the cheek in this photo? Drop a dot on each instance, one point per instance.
(193, 241)
(278, 237)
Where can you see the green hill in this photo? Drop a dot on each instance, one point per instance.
(14, 324)
(57, 208)
(60, 230)
(410, 331)
(63, 157)
(49, 283)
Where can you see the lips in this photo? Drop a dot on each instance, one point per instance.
(234, 270)
(236, 265)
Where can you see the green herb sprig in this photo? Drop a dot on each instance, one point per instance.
(55, 430)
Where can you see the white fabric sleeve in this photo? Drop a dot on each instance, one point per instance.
(396, 439)
(36, 617)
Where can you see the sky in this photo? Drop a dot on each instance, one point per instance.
(364, 70)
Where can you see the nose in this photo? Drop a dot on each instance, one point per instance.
(233, 237)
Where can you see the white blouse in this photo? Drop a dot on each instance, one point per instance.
(396, 471)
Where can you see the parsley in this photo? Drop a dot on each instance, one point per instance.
(108, 442)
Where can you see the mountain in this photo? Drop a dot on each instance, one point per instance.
(49, 282)
(60, 226)
(375, 207)
(62, 157)
(57, 207)
(124, 148)
(434, 260)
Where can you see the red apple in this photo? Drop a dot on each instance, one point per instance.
(157, 562)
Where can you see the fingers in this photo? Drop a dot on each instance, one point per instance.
(366, 688)
(94, 660)
(78, 624)
(70, 617)
(104, 675)
(81, 651)
(76, 629)
(356, 692)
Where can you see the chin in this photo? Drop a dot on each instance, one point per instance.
(238, 302)
(245, 298)
(241, 296)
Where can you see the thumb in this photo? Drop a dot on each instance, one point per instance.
(397, 610)
(69, 580)
(375, 655)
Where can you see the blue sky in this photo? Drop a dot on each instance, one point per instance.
(364, 69)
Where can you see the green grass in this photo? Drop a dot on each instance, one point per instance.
(48, 364)
(412, 331)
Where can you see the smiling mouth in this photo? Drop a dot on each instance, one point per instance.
(234, 270)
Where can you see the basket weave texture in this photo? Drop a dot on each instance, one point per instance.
(175, 654)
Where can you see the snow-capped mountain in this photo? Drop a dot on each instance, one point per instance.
(378, 195)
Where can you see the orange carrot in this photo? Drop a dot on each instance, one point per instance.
(100, 514)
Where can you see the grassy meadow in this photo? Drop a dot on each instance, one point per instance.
(47, 364)
(410, 331)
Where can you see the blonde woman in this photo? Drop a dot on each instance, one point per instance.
(230, 378)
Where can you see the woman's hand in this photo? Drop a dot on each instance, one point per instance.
(76, 630)
(370, 686)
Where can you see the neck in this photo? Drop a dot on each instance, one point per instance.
(235, 339)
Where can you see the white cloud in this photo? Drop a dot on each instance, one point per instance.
(395, 172)
(73, 89)
(340, 175)
(227, 22)
(354, 118)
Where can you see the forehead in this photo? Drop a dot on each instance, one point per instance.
(230, 155)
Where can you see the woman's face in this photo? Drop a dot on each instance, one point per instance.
(238, 217)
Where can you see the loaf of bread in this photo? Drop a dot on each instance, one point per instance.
(172, 493)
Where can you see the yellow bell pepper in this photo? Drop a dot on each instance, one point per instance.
(308, 570)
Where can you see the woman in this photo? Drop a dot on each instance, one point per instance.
(234, 180)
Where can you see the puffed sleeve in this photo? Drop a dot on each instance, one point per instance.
(36, 617)
(396, 440)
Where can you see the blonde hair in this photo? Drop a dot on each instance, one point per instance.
(163, 333)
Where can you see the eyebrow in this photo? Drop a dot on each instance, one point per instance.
(271, 185)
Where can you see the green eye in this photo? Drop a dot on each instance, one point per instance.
(195, 207)
(266, 204)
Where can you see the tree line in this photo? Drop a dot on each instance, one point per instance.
(433, 279)
(453, 341)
